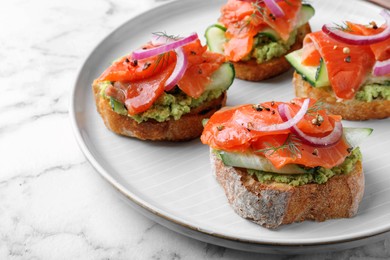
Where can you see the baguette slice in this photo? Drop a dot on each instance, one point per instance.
(275, 204)
(252, 71)
(188, 127)
(348, 109)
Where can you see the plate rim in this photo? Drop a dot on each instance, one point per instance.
(145, 205)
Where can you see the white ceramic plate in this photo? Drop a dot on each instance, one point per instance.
(172, 183)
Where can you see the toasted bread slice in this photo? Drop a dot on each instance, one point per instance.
(275, 204)
(252, 71)
(188, 127)
(348, 109)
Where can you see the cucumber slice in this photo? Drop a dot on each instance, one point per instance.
(118, 107)
(271, 34)
(222, 78)
(316, 76)
(215, 38)
(307, 12)
(355, 136)
(215, 34)
(256, 162)
(322, 79)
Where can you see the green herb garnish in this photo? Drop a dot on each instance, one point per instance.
(290, 144)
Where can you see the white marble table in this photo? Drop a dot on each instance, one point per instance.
(53, 204)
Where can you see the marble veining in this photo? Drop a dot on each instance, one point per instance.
(53, 205)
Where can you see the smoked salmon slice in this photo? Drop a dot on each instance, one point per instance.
(201, 65)
(233, 130)
(244, 20)
(347, 65)
(145, 79)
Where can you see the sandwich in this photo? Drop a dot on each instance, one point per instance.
(163, 90)
(347, 66)
(285, 162)
(256, 35)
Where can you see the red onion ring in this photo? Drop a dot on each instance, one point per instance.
(328, 140)
(353, 39)
(143, 54)
(381, 68)
(178, 71)
(274, 8)
(158, 40)
(285, 125)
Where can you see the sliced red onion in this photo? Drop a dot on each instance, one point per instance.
(285, 125)
(353, 39)
(178, 71)
(143, 54)
(381, 68)
(158, 40)
(274, 8)
(328, 140)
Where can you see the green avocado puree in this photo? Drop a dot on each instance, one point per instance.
(175, 105)
(374, 91)
(169, 105)
(317, 175)
(265, 49)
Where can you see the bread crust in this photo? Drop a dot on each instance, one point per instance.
(348, 109)
(252, 71)
(275, 204)
(188, 127)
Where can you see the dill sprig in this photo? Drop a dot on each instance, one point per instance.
(258, 11)
(317, 106)
(165, 35)
(290, 144)
(342, 27)
(161, 60)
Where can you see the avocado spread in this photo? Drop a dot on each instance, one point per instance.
(171, 104)
(317, 175)
(175, 104)
(374, 91)
(265, 48)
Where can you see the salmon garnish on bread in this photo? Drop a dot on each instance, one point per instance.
(163, 90)
(280, 163)
(348, 68)
(255, 35)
